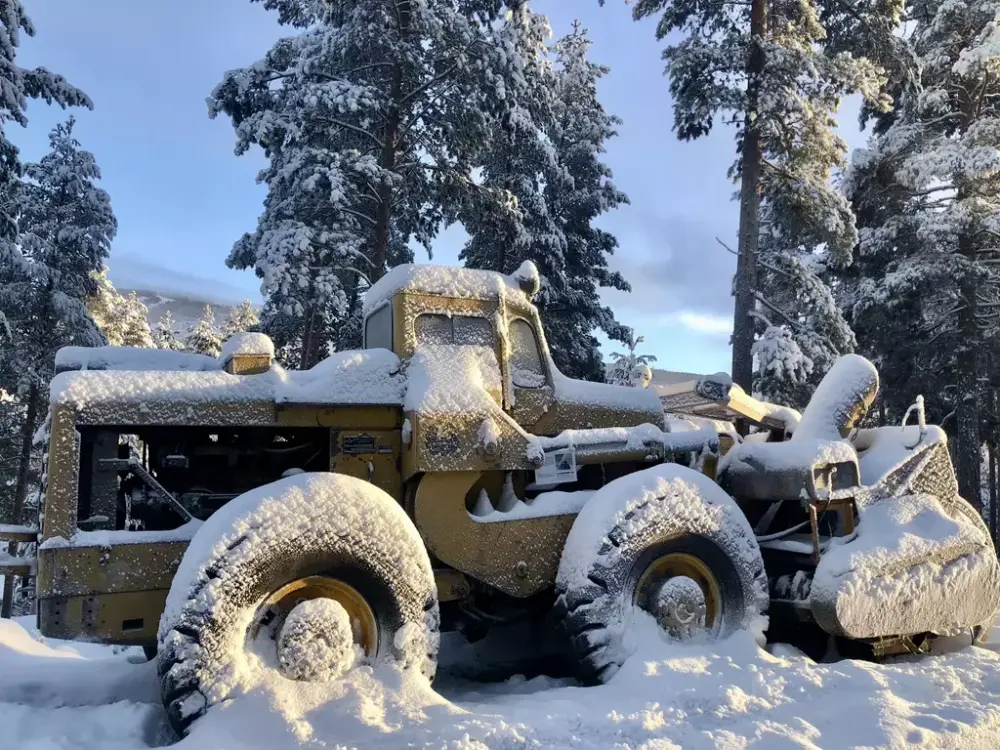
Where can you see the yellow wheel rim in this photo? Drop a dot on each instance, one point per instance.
(675, 565)
(273, 611)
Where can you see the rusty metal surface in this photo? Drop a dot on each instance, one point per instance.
(248, 364)
(128, 618)
(114, 568)
(518, 557)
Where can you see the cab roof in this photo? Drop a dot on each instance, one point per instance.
(451, 281)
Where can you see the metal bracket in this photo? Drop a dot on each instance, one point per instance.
(131, 464)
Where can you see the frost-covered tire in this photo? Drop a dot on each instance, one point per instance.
(632, 522)
(310, 525)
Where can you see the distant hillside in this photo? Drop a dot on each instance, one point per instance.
(185, 310)
(184, 294)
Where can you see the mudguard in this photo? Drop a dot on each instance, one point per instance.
(921, 560)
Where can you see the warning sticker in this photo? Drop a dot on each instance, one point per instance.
(559, 468)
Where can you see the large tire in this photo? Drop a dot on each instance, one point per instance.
(668, 510)
(306, 527)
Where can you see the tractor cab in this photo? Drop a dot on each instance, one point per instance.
(426, 309)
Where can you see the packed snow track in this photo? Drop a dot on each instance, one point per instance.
(732, 694)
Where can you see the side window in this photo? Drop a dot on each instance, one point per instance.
(454, 329)
(378, 329)
(526, 367)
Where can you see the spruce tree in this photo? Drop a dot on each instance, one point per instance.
(927, 297)
(64, 230)
(578, 191)
(165, 334)
(371, 119)
(777, 70)
(204, 337)
(66, 226)
(16, 292)
(243, 317)
(545, 184)
(626, 367)
(122, 320)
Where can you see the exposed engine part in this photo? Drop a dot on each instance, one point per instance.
(792, 587)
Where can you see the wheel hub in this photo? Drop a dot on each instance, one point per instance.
(320, 626)
(316, 641)
(680, 591)
(679, 606)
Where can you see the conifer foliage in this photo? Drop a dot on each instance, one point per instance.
(27, 285)
(628, 367)
(165, 335)
(204, 337)
(777, 70)
(122, 320)
(372, 116)
(926, 294)
(546, 185)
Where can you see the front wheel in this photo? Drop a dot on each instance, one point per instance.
(668, 542)
(300, 580)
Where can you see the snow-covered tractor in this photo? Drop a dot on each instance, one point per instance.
(241, 520)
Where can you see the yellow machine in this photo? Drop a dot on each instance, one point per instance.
(446, 476)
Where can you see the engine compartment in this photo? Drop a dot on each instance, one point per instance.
(147, 478)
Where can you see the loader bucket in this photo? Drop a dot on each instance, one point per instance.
(922, 560)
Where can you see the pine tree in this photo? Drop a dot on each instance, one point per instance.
(21, 84)
(545, 184)
(578, 191)
(371, 122)
(204, 337)
(241, 318)
(627, 367)
(65, 227)
(16, 292)
(926, 298)
(122, 320)
(165, 334)
(777, 69)
(810, 331)
(136, 315)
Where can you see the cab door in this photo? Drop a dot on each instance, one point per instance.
(530, 378)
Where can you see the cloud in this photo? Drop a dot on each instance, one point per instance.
(129, 271)
(699, 322)
(676, 268)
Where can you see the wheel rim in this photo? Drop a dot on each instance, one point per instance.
(272, 612)
(663, 592)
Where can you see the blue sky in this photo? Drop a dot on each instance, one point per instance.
(182, 197)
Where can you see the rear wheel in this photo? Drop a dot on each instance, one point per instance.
(667, 542)
(301, 580)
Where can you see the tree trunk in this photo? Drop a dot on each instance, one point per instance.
(993, 488)
(968, 443)
(387, 157)
(20, 490)
(749, 232)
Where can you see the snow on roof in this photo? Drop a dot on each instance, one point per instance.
(247, 343)
(366, 377)
(622, 397)
(447, 281)
(371, 376)
(130, 358)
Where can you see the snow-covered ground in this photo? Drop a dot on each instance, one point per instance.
(734, 695)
